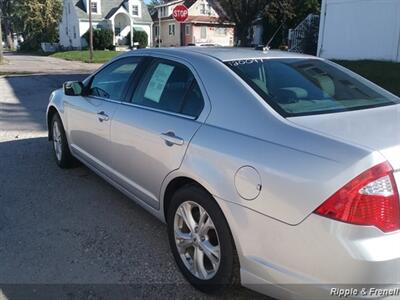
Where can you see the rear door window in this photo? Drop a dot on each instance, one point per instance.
(171, 87)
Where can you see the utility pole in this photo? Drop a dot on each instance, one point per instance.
(1, 43)
(90, 32)
(159, 27)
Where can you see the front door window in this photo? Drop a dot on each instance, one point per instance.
(111, 82)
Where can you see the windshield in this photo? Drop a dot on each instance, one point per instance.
(299, 87)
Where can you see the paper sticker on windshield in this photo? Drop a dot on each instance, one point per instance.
(158, 81)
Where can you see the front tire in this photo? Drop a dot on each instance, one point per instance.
(63, 156)
(201, 241)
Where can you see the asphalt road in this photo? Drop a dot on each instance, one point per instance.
(69, 234)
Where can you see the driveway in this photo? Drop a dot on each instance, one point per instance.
(67, 234)
(18, 63)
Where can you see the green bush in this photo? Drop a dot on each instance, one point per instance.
(29, 45)
(141, 38)
(102, 39)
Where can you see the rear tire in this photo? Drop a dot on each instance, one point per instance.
(62, 155)
(203, 250)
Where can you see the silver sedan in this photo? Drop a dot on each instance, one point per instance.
(271, 169)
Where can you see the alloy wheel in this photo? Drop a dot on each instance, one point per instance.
(197, 241)
(57, 140)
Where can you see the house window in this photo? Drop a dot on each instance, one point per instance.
(220, 31)
(187, 29)
(94, 7)
(135, 10)
(156, 30)
(163, 11)
(205, 9)
(171, 28)
(203, 33)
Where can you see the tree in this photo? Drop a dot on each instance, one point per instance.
(36, 20)
(276, 13)
(309, 42)
(6, 10)
(152, 4)
(305, 7)
(244, 12)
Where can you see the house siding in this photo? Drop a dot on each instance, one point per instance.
(67, 25)
(215, 32)
(196, 9)
(75, 20)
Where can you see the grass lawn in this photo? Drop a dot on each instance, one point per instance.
(385, 74)
(98, 56)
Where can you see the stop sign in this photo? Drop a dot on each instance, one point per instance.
(180, 13)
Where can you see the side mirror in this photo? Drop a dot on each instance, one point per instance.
(73, 88)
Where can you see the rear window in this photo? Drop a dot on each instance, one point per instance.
(300, 87)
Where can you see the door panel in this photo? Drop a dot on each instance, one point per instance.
(143, 157)
(90, 116)
(89, 131)
(150, 135)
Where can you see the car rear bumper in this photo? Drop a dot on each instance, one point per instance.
(309, 259)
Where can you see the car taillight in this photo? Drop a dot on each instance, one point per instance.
(369, 199)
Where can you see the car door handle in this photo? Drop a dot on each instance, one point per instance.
(102, 116)
(171, 139)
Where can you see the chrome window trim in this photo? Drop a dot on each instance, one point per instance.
(159, 111)
(104, 99)
(202, 117)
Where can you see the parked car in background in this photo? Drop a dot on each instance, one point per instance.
(271, 169)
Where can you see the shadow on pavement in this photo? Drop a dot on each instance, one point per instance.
(25, 107)
(67, 234)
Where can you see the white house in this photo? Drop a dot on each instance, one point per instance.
(121, 16)
(206, 24)
(360, 29)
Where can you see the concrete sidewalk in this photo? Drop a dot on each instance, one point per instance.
(32, 64)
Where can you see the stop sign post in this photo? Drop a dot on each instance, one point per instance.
(180, 13)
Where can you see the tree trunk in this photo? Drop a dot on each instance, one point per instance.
(242, 35)
(9, 35)
(1, 44)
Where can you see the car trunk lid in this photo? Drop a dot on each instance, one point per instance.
(377, 129)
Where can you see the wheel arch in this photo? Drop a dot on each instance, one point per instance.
(52, 110)
(179, 182)
(174, 185)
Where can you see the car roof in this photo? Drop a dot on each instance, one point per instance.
(225, 53)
